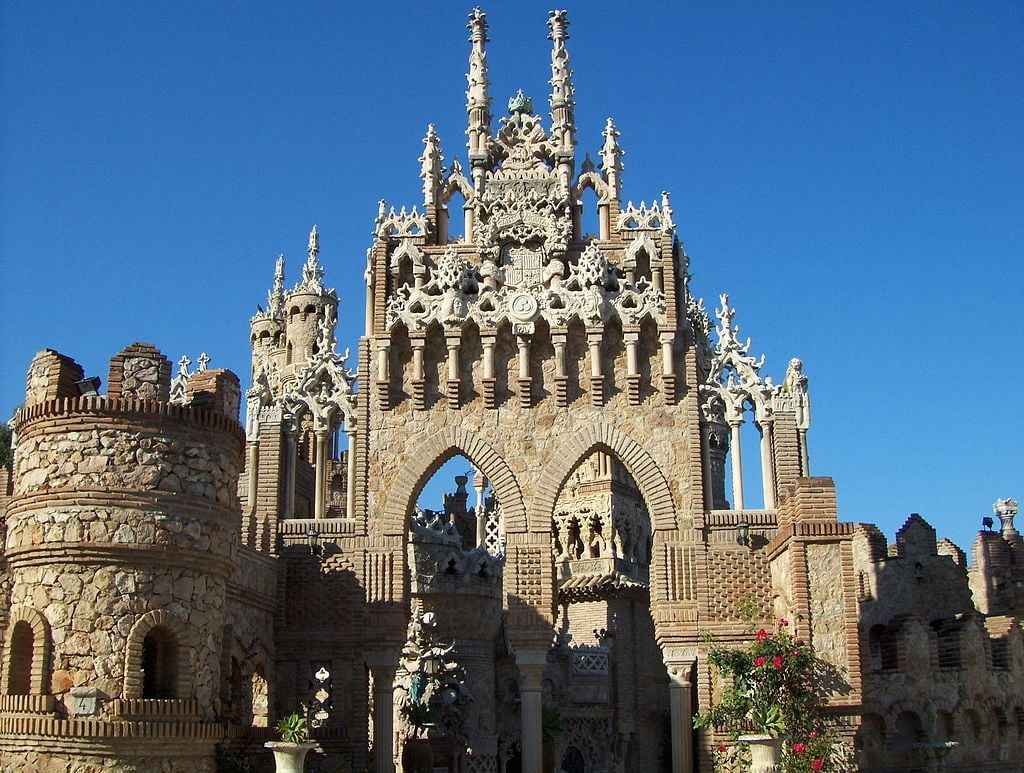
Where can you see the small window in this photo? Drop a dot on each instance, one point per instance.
(21, 654)
(159, 664)
(1001, 654)
(948, 639)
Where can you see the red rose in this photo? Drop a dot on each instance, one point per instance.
(816, 764)
(799, 642)
(761, 635)
(760, 662)
(777, 661)
(722, 747)
(814, 734)
(799, 748)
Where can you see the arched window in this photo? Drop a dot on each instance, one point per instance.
(947, 635)
(22, 652)
(882, 648)
(160, 664)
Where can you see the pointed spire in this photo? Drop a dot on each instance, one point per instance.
(562, 103)
(275, 298)
(611, 159)
(431, 169)
(313, 272)
(478, 101)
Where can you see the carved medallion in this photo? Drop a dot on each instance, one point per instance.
(522, 307)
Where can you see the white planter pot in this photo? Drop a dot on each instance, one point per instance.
(289, 757)
(765, 752)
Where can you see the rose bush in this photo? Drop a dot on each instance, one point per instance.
(769, 688)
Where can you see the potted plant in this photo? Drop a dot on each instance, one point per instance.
(769, 705)
(290, 752)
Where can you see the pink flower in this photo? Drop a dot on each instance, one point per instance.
(814, 734)
(783, 622)
(760, 662)
(799, 748)
(816, 764)
(777, 661)
(799, 642)
(796, 653)
(761, 635)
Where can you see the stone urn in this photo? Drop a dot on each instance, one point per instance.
(765, 751)
(289, 757)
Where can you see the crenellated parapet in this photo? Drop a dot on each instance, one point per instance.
(122, 531)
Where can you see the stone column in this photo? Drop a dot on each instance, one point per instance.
(605, 220)
(350, 483)
(767, 465)
(382, 362)
(680, 703)
(252, 469)
(479, 484)
(383, 717)
(320, 474)
(289, 470)
(531, 670)
(737, 465)
(705, 453)
(368, 323)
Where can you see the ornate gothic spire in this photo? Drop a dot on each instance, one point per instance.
(562, 104)
(611, 159)
(313, 272)
(275, 298)
(431, 169)
(478, 101)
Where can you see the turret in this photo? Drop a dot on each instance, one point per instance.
(121, 534)
(306, 308)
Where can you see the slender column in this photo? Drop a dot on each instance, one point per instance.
(253, 468)
(737, 466)
(419, 384)
(417, 359)
(350, 491)
(561, 379)
(489, 381)
(681, 718)
(469, 220)
(383, 366)
(805, 463)
(605, 220)
(383, 718)
(767, 465)
(667, 360)
(531, 670)
(369, 296)
(319, 497)
(705, 453)
(289, 471)
(479, 484)
(596, 378)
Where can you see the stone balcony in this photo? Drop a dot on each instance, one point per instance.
(602, 567)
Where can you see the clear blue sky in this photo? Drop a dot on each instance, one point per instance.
(851, 173)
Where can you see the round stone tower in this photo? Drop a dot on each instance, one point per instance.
(121, 534)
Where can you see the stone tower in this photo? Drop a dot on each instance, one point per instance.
(121, 533)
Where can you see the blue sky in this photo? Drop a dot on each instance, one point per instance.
(851, 173)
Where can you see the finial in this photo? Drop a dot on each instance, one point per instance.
(562, 104)
(666, 211)
(520, 103)
(1006, 510)
(275, 298)
(431, 169)
(314, 243)
(611, 158)
(478, 101)
(313, 272)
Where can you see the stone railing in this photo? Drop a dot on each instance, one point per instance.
(590, 661)
(603, 565)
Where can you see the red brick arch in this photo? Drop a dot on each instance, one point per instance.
(39, 679)
(157, 618)
(602, 437)
(442, 446)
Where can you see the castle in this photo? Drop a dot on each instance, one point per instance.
(174, 582)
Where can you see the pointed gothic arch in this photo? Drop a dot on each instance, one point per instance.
(640, 464)
(429, 457)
